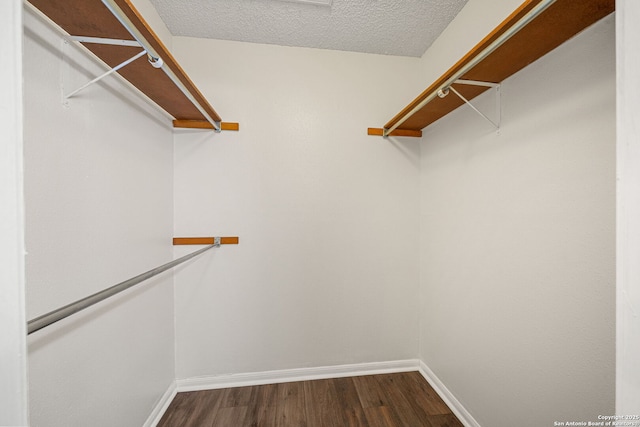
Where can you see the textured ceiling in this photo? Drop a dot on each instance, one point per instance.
(391, 27)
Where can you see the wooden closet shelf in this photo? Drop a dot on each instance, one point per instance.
(556, 24)
(205, 240)
(397, 132)
(203, 124)
(91, 18)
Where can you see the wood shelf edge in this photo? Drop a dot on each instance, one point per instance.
(203, 124)
(94, 19)
(486, 41)
(205, 240)
(582, 13)
(154, 40)
(398, 132)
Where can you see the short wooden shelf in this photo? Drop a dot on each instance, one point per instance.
(203, 124)
(205, 240)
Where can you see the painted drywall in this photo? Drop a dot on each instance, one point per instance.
(326, 272)
(98, 184)
(628, 220)
(518, 243)
(13, 354)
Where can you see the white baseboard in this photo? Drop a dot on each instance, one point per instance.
(161, 406)
(454, 404)
(299, 374)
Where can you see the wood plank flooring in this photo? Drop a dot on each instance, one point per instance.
(387, 400)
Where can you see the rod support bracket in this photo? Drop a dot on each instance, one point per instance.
(156, 62)
(496, 86)
(107, 73)
(217, 241)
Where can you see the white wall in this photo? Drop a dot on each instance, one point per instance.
(326, 272)
(98, 183)
(518, 244)
(13, 358)
(628, 269)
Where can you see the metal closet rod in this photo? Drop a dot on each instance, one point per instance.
(522, 22)
(157, 60)
(69, 309)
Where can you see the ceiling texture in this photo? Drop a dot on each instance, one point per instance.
(388, 27)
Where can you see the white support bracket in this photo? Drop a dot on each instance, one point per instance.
(102, 40)
(477, 83)
(495, 86)
(111, 71)
(113, 42)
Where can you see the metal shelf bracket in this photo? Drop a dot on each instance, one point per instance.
(98, 40)
(111, 71)
(496, 86)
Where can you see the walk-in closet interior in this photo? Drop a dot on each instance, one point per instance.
(268, 193)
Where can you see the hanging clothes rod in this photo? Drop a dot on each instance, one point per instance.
(155, 59)
(521, 23)
(69, 309)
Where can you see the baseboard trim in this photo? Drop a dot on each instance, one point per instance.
(454, 404)
(299, 374)
(162, 405)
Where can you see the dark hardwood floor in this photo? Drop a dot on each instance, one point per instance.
(387, 400)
